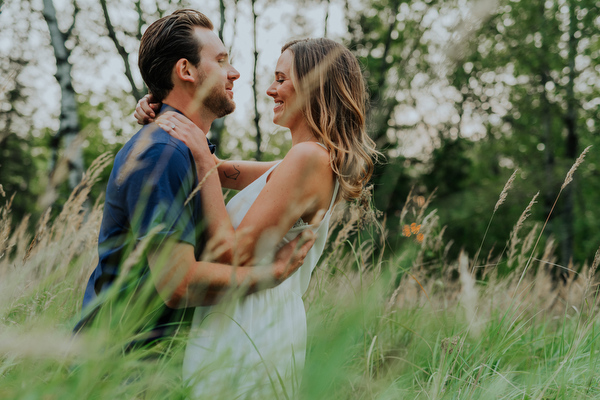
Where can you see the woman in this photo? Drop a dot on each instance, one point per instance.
(256, 344)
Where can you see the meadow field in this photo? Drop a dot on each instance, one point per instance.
(412, 323)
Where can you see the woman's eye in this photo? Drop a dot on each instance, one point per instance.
(279, 80)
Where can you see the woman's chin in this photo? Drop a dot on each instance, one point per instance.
(284, 120)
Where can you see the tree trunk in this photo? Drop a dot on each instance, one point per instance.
(141, 21)
(547, 140)
(222, 14)
(571, 141)
(328, 2)
(69, 120)
(234, 24)
(218, 126)
(254, 90)
(135, 92)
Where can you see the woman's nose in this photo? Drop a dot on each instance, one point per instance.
(271, 91)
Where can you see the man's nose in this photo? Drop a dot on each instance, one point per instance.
(233, 74)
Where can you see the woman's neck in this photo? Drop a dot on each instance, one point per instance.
(301, 134)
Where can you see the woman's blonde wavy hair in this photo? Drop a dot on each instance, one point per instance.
(329, 83)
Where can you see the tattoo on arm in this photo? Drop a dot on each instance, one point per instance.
(234, 175)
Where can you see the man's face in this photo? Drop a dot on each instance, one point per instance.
(216, 75)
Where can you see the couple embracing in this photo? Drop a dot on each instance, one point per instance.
(241, 269)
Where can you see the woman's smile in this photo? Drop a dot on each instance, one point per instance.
(278, 106)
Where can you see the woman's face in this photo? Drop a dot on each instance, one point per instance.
(286, 112)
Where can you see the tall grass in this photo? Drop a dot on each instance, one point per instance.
(414, 324)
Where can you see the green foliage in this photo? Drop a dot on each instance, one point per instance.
(450, 167)
(525, 75)
(22, 172)
(90, 118)
(387, 38)
(518, 77)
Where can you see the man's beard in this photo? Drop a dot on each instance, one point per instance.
(216, 100)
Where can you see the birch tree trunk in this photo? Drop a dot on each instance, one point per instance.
(69, 120)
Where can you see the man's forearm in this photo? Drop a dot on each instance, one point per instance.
(206, 283)
(182, 281)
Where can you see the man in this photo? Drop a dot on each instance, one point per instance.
(153, 228)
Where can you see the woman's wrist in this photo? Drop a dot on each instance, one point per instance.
(203, 164)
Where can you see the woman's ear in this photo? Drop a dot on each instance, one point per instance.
(184, 70)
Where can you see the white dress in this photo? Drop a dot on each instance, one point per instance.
(254, 347)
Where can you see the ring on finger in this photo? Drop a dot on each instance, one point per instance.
(172, 126)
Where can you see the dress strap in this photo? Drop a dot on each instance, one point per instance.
(322, 145)
(270, 170)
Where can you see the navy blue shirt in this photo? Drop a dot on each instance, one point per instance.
(152, 177)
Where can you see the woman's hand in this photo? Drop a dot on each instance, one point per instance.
(291, 256)
(180, 127)
(146, 110)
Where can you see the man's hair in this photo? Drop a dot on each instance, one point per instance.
(165, 42)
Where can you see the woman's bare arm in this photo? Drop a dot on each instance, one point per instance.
(300, 186)
(237, 175)
(233, 174)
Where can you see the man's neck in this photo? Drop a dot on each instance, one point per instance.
(192, 111)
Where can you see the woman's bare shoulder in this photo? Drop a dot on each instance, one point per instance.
(309, 155)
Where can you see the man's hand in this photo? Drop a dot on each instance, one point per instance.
(182, 281)
(146, 109)
(291, 256)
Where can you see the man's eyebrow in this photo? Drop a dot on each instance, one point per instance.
(223, 54)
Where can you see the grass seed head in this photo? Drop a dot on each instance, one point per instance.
(504, 192)
(578, 162)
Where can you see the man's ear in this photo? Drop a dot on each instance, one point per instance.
(184, 70)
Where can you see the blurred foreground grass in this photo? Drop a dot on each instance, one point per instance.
(409, 325)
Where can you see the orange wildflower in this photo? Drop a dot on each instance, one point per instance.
(414, 228)
(406, 230)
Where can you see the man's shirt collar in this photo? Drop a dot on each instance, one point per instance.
(166, 107)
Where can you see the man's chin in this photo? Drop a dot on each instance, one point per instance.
(220, 108)
(227, 110)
